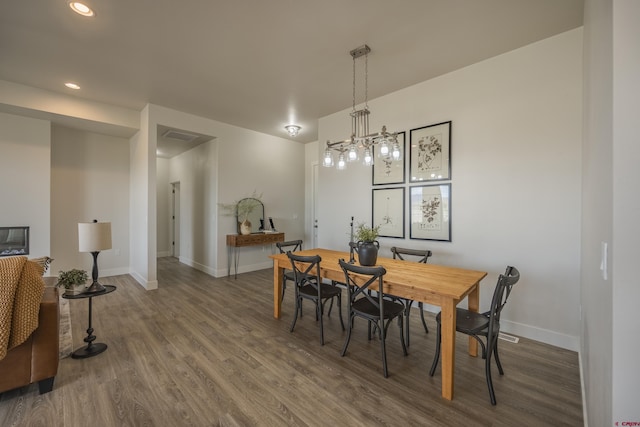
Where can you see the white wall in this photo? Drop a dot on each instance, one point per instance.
(89, 180)
(163, 188)
(25, 164)
(229, 168)
(597, 216)
(515, 177)
(626, 211)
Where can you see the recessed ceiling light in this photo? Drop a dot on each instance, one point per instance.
(81, 8)
(72, 86)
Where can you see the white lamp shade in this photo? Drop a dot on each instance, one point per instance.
(94, 236)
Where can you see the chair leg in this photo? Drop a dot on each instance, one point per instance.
(424, 323)
(319, 310)
(346, 341)
(487, 367)
(406, 316)
(384, 350)
(404, 347)
(295, 314)
(340, 310)
(495, 356)
(436, 356)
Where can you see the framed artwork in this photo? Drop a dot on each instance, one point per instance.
(385, 169)
(431, 212)
(388, 211)
(430, 153)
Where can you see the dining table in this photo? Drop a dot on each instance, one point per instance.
(438, 285)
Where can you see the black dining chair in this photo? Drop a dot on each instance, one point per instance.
(309, 286)
(421, 256)
(284, 247)
(377, 310)
(485, 325)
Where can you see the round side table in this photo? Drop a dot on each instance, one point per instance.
(92, 349)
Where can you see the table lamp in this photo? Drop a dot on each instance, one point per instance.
(94, 237)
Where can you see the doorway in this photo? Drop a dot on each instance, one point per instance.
(175, 220)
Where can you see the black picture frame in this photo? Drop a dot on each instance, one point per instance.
(430, 212)
(388, 211)
(430, 154)
(387, 171)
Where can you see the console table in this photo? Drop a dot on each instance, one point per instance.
(236, 241)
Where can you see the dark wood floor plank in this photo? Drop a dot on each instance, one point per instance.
(201, 351)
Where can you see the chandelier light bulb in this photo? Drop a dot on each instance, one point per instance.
(384, 148)
(368, 158)
(395, 151)
(342, 163)
(352, 154)
(328, 158)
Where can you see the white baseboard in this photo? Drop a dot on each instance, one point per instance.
(147, 284)
(163, 254)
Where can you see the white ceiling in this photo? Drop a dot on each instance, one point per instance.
(260, 64)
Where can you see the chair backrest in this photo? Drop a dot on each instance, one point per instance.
(399, 253)
(501, 295)
(359, 278)
(306, 270)
(291, 245)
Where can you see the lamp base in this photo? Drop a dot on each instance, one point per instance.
(95, 287)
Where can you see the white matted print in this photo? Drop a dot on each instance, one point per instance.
(388, 211)
(385, 169)
(430, 153)
(431, 212)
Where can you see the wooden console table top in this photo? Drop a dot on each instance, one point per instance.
(255, 239)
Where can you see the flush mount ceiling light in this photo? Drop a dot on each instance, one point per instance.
(72, 86)
(293, 130)
(81, 8)
(361, 139)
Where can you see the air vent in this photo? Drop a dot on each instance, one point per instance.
(181, 136)
(509, 338)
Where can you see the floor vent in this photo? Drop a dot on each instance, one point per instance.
(509, 338)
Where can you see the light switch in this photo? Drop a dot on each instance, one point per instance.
(604, 249)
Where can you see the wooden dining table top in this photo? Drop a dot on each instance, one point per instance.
(427, 283)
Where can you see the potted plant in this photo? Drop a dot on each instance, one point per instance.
(73, 281)
(242, 209)
(367, 245)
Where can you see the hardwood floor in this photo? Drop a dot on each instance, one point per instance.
(201, 351)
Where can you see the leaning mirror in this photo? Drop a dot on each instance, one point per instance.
(250, 215)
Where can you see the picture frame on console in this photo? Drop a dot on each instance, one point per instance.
(431, 212)
(430, 153)
(388, 211)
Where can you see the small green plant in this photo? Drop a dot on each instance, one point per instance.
(72, 278)
(365, 233)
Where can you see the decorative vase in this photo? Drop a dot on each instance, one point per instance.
(368, 252)
(76, 289)
(245, 227)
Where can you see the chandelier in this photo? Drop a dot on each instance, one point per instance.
(361, 144)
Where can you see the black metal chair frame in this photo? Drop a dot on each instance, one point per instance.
(284, 247)
(376, 310)
(424, 255)
(309, 285)
(485, 325)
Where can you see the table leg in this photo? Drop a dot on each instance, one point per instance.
(277, 288)
(91, 349)
(448, 346)
(473, 301)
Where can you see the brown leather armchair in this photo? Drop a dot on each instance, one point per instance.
(37, 358)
